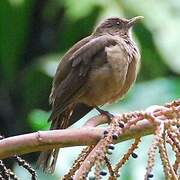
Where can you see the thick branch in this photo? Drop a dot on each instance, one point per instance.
(87, 135)
(44, 140)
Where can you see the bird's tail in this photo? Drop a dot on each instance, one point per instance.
(47, 160)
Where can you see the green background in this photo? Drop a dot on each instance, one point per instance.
(34, 34)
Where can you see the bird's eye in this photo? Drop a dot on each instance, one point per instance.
(118, 23)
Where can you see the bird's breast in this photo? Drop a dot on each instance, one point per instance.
(111, 81)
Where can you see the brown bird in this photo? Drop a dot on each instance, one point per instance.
(97, 70)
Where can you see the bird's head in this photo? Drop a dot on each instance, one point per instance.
(116, 26)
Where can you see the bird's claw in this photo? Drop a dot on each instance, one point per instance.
(106, 113)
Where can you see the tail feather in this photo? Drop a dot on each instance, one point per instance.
(79, 111)
(47, 160)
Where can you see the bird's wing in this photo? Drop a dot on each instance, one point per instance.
(80, 65)
(64, 67)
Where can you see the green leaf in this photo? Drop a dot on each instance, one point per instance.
(38, 119)
(14, 17)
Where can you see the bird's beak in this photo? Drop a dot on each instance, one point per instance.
(134, 20)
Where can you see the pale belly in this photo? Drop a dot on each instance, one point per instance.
(110, 82)
(102, 87)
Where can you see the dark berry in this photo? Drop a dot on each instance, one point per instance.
(150, 175)
(121, 125)
(134, 155)
(106, 132)
(115, 136)
(103, 173)
(111, 146)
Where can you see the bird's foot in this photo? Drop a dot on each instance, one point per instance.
(106, 113)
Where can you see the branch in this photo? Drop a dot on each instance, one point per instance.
(166, 121)
(89, 134)
(44, 140)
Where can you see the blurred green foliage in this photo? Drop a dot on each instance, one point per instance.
(35, 34)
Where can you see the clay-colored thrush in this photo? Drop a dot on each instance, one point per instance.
(97, 70)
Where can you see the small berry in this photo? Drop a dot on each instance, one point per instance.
(134, 155)
(150, 176)
(121, 125)
(106, 132)
(103, 173)
(111, 146)
(115, 136)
